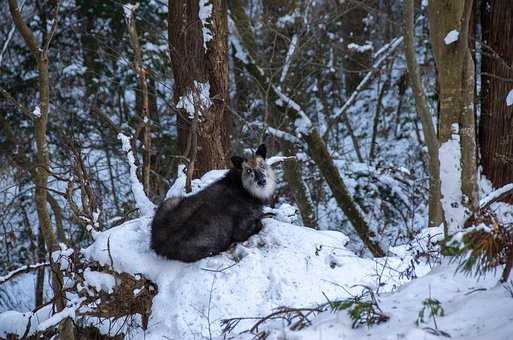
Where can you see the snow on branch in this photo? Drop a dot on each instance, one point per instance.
(145, 206)
(288, 58)
(205, 13)
(452, 37)
(496, 195)
(129, 11)
(509, 98)
(280, 134)
(21, 270)
(303, 124)
(68, 312)
(278, 159)
(385, 52)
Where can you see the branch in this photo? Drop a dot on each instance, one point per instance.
(496, 195)
(24, 30)
(390, 49)
(21, 270)
(143, 203)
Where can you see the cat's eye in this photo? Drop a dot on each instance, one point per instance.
(248, 171)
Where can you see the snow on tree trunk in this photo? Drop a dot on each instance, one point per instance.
(198, 46)
(456, 96)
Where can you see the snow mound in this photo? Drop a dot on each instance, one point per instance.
(474, 310)
(282, 265)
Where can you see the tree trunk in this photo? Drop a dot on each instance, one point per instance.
(496, 124)
(356, 60)
(456, 96)
(40, 274)
(144, 107)
(196, 63)
(40, 175)
(435, 213)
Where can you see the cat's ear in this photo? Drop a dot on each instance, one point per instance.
(237, 162)
(262, 151)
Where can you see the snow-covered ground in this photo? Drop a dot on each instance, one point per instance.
(474, 309)
(284, 265)
(288, 265)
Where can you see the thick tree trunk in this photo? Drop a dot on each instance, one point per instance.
(456, 95)
(496, 124)
(194, 65)
(435, 212)
(355, 33)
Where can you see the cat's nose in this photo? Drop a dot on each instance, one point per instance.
(261, 182)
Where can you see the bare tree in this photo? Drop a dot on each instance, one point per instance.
(449, 27)
(435, 217)
(277, 116)
(145, 119)
(198, 48)
(40, 175)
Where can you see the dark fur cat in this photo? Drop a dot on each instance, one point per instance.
(208, 222)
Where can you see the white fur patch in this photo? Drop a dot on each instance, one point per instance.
(263, 193)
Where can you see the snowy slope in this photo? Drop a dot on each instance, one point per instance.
(474, 310)
(284, 265)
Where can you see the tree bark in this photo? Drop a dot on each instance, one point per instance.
(496, 124)
(144, 113)
(193, 64)
(40, 175)
(456, 97)
(435, 213)
(356, 61)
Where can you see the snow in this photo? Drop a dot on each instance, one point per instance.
(288, 58)
(450, 176)
(74, 70)
(474, 310)
(68, 312)
(129, 10)
(302, 123)
(13, 322)
(495, 194)
(360, 48)
(509, 98)
(285, 265)
(196, 99)
(205, 12)
(282, 265)
(233, 37)
(37, 112)
(451, 37)
(100, 281)
(145, 206)
(277, 159)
